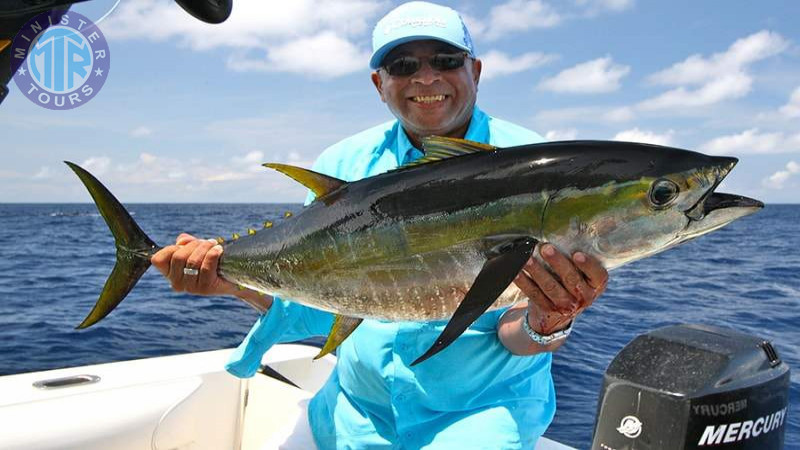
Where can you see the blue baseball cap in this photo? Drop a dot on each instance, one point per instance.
(414, 21)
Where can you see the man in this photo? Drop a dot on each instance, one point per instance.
(492, 387)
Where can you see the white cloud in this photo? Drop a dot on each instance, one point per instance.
(325, 55)
(517, 15)
(698, 70)
(522, 15)
(227, 175)
(568, 134)
(703, 81)
(250, 24)
(477, 27)
(647, 137)
(322, 29)
(792, 109)
(43, 173)
(286, 131)
(595, 76)
(565, 117)
(147, 158)
(753, 141)
(141, 131)
(730, 86)
(621, 114)
(249, 163)
(496, 63)
(778, 179)
(596, 6)
(254, 157)
(97, 165)
(177, 175)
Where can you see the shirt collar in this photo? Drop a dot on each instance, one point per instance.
(477, 131)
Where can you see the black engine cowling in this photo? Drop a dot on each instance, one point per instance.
(693, 387)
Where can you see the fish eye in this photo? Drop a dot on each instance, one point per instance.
(663, 192)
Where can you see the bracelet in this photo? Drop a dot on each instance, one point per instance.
(545, 339)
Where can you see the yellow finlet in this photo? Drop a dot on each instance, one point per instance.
(342, 327)
(235, 236)
(220, 240)
(268, 224)
(287, 214)
(251, 231)
(318, 183)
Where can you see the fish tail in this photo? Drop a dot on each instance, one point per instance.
(134, 248)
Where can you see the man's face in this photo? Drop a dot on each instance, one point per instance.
(430, 101)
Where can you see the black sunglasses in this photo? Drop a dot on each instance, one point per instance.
(409, 65)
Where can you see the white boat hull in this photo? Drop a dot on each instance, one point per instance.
(169, 403)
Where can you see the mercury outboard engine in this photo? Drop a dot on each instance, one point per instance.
(693, 387)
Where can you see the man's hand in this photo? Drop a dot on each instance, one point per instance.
(193, 253)
(202, 255)
(557, 296)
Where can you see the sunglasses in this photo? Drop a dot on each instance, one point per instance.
(409, 65)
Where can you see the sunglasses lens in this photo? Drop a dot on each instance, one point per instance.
(403, 67)
(447, 62)
(409, 65)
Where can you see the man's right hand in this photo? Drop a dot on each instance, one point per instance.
(202, 255)
(194, 253)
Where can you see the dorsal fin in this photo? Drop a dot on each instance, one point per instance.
(318, 183)
(438, 148)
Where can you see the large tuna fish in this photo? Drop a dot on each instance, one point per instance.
(444, 237)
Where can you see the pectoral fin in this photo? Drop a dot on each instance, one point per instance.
(342, 327)
(504, 263)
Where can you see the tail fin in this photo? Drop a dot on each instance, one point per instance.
(134, 248)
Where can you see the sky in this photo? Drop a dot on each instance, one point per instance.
(189, 111)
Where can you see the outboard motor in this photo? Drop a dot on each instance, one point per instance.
(693, 387)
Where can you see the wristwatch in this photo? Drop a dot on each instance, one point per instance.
(545, 339)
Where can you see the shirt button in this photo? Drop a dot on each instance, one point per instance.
(409, 435)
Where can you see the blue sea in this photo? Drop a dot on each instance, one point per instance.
(55, 259)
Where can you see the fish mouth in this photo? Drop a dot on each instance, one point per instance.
(719, 200)
(716, 209)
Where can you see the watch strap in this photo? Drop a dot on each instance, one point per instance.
(544, 339)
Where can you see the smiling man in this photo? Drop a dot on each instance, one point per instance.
(492, 388)
(431, 86)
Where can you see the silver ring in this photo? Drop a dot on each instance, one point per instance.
(190, 271)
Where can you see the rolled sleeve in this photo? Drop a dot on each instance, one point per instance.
(285, 321)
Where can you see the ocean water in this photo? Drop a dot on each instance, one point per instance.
(55, 259)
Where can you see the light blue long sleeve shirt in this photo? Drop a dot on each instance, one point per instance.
(473, 395)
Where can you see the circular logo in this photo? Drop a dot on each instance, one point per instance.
(630, 426)
(61, 60)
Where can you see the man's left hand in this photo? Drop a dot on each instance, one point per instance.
(558, 295)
